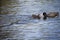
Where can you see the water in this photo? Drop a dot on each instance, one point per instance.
(23, 27)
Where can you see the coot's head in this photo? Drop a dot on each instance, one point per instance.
(44, 13)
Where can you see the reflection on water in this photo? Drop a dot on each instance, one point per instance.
(23, 27)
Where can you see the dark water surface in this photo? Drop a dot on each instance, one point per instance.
(17, 24)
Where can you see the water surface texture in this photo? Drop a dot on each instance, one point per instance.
(16, 22)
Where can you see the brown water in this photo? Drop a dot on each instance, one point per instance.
(16, 22)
